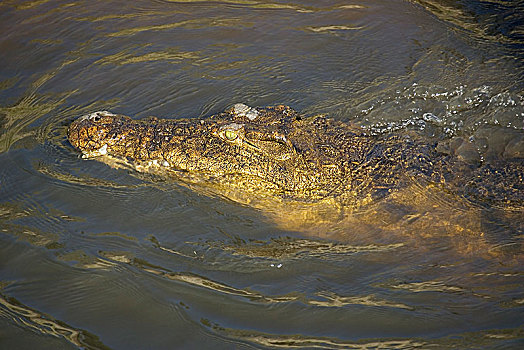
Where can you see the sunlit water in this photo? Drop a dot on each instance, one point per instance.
(96, 257)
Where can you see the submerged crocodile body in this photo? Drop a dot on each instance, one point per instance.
(279, 152)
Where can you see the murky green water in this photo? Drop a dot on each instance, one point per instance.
(95, 257)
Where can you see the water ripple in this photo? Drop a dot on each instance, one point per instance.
(41, 323)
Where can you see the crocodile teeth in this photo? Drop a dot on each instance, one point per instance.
(103, 150)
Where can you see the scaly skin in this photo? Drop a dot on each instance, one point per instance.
(276, 151)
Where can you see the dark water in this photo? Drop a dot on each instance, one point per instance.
(95, 257)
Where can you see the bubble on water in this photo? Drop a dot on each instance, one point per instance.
(503, 99)
(484, 89)
(448, 131)
(449, 111)
(430, 117)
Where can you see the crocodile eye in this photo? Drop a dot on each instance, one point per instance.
(230, 135)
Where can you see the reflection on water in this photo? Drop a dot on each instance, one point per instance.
(95, 257)
(40, 323)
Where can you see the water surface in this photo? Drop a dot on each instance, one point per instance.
(101, 258)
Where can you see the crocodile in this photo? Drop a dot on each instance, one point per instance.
(278, 152)
(322, 177)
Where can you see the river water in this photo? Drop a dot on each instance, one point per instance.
(100, 258)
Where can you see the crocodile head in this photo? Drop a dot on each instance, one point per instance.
(242, 146)
(95, 133)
